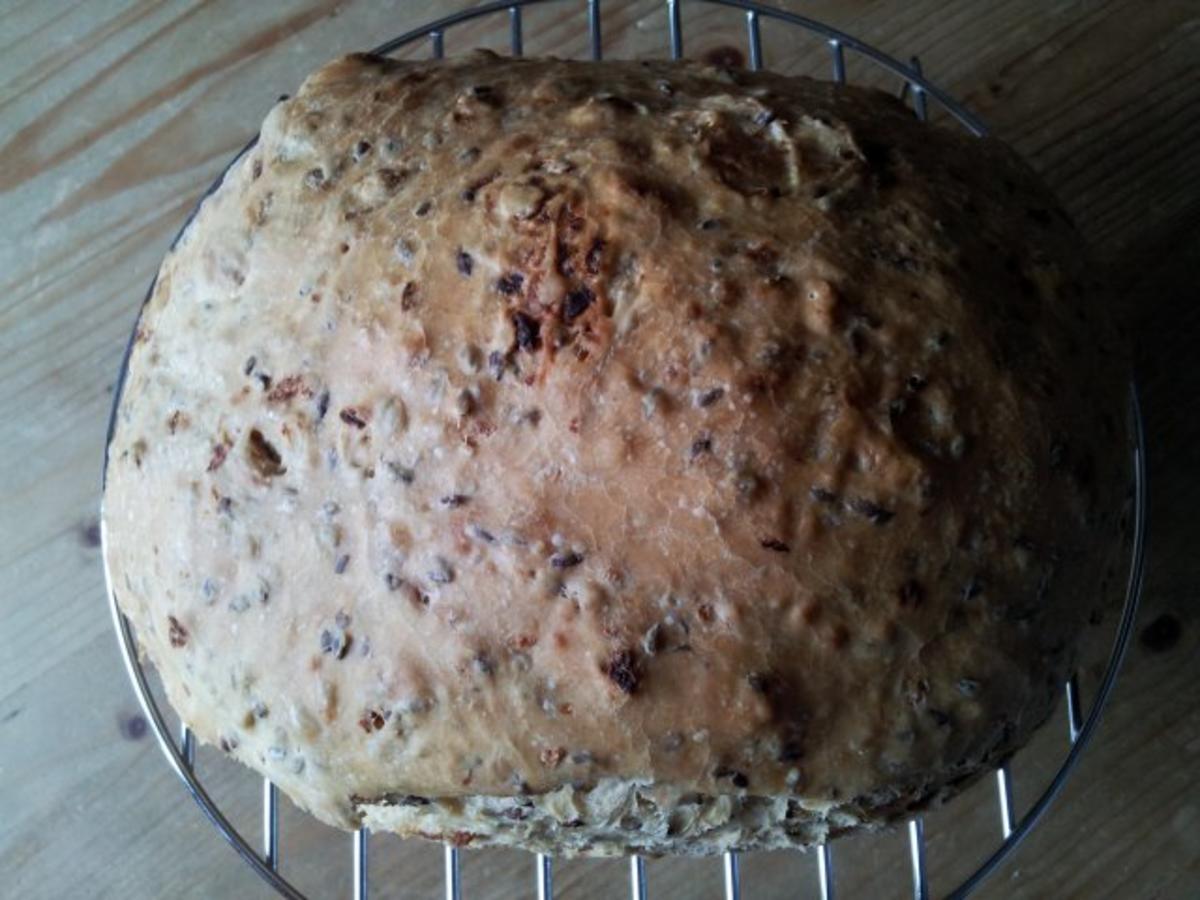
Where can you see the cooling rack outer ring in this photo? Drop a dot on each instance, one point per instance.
(180, 755)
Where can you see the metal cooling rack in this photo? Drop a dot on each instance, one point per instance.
(181, 754)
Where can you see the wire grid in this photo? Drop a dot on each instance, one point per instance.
(181, 755)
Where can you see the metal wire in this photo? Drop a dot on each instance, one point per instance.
(920, 106)
(754, 40)
(181, 756)
(916, 852)
(1004, 795)
(361, 884)
(675, 29)
(187, 747)
(839, 61)
(516, 42)
(1074, 710)
(545, 877)
(825, 872)
(453, 875)
(595, 41)
(637, 878)
(270, 824)
(733, 877)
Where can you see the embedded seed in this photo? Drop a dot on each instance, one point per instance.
(510, 284)
(335, 642)
(352, 416)
(527, 330)
(440, 572)
(464, 403)
(593, 258)
(911, 594)
(552, 756)
(239, 603)
(870, 510)
(372, 720)
(622, 670)
(496, 364)
(654, 401)
(566, 560)
(405, 251)
(576, 303)
(739, 779)
(973, 588)
(480, 533)
(652, 639)
(464, 262)
(263, 457)
(470, 358)
(400, 473)
(759, 683)
(209, 589)
(177, 634)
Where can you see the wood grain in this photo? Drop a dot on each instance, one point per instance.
(114, 116)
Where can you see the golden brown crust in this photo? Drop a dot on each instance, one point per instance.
(505, 427)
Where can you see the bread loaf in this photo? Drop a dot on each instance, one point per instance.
(616, 457)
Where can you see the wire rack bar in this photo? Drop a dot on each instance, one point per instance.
(181, 755)
(675, 29)
(920, 103)
(270, 824)
(545, 877)
(453, 878)
(839, 61)
(1005, 798)
(754, 39)
(1074, 710)
(963, 116)
(515, 40)
(825, 872)
(362, 887)
(637, 878)
(187, 746)
(733, 876)
(916, 850)
(595, 38)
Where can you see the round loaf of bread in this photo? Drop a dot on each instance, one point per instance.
(616, 457)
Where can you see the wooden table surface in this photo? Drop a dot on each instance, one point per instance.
(114, 116)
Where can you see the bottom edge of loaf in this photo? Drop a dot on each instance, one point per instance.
(617, 817)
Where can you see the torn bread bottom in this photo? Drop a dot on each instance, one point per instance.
(616, 817)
